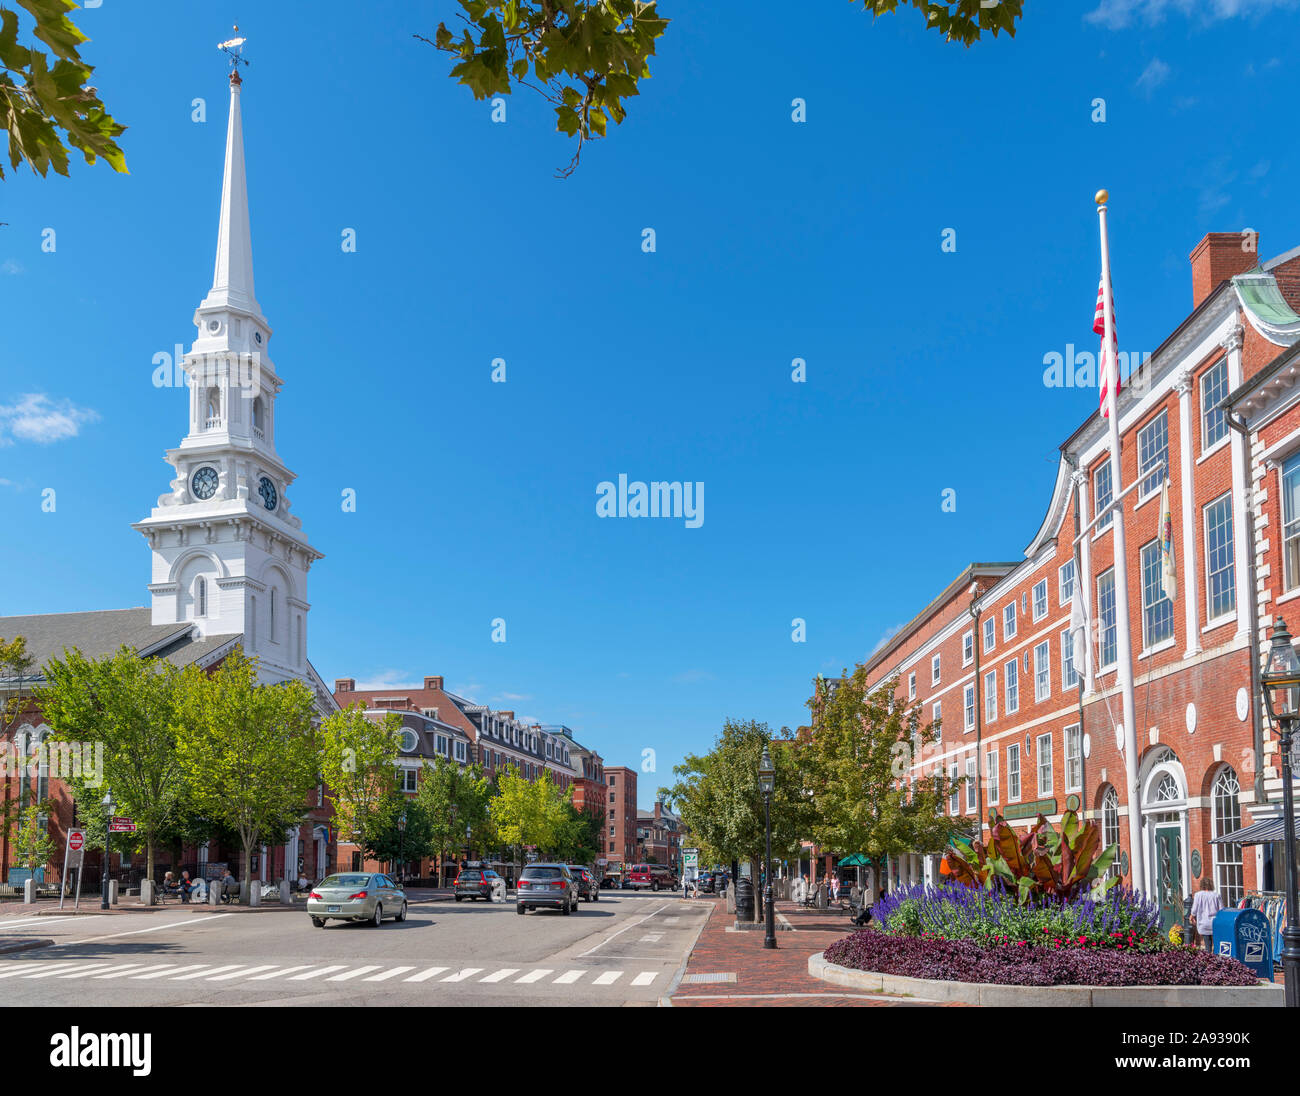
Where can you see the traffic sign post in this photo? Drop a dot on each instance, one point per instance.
(74, 846)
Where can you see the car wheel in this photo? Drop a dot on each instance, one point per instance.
(401, 916)
(654, 886)
(596, 897)
(379, 915)
(319, 922)
(520, 910)
(458, 898)
(565, 908)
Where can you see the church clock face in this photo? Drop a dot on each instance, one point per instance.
(266, 489)
(204, 483)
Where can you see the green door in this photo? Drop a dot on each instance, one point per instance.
(1169, 875)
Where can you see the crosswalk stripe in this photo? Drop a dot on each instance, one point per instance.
(532, 976)
(136, 968)
(568, 977)
(671, 920)
(80, 968)
(461, 975)
(500, 975)
(652, 937)
(77, 972)
(242, 972)
(317, 973)
(392, 973)
(424, 975)
(347, 976)
(281, 972)
(203, 973)
(645, 978)
(12, 970)
(166, 972)
(609, 977)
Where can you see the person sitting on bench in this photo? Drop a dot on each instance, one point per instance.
(170, 888)
(229, 887)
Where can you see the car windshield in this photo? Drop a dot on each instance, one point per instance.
(471, 876)
(346, 881)
(541, 873)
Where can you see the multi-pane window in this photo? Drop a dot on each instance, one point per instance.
(954, 800)
(1065, 582)
(937, 712)
(1042, 671)
(1013, 772)
(1044, 747)
(1157, 609)
(440, 744)
(1011, 675)
(1069, 677)
(968, 648)
(1110, 827)
(1228, 875)
(1220, 580)
(1102, 495)
(934, 670)
(1291, 523)
(460, 751)
(968, 706)
(971, 801)
(1074, 758)
(1009, 621)
(408, 780)
(990, 696)
(1040, 599)
(911, 685)
(990, 634)
(991, 776)
(1214, 387)
(1153, 453)
(1106, 615)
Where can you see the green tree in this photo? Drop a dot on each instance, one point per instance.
(40, 98)
(32, 843)
(247, 750)
(857, 764)
(395, 843)
(586, 57)
(454, 798)
(358, 765)
(581, 835)
(528, 812)
(130, 705)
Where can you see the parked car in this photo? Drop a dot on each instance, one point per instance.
(704, 883)
(651, 877)
(356, 896)
(475, 883)
(588, 887)
(610, 882)
(549, 885)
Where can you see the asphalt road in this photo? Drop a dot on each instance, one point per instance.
(625, 949)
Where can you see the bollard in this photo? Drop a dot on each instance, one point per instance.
(29, 891)
(255, 893)
(745, 900)
(112, 892)
(214, 893)
(285, 894)
(146, 892)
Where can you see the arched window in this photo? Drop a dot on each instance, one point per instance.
(1167, 791)
(274, 591)
(258, 416)
(1228, 873)
(1110, 826)
(201, 597)
(213, 408)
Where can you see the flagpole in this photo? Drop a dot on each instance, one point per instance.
(1137, 872)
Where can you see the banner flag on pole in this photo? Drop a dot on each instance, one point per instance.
(1099, 327)
(1078, 634)
(1168, 569)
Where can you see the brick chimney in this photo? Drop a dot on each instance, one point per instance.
(345, 684)
(1218, 257)
(433, 683)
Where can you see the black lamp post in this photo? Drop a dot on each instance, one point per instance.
(107, 804)
(401, 848)
(1281, 686)
(767, 784)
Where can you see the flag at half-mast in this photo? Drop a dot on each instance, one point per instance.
(1099, 326)
(1168, 570)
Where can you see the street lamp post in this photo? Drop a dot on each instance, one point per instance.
(767, 783)
(401, 848)
(107, 804)
(1281, 687)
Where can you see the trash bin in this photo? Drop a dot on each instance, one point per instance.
(744, 900)
(1245, 935)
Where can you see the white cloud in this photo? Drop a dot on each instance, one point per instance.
(889, 634)
(513, 696)
(11, 266)
(388, 679)
(1118, 14)
(1155, 74)
(35, 417)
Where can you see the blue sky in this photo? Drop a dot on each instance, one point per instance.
(775, 241)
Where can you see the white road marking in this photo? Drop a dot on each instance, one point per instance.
(347, 976)
(671, 920)
(77, 972)
(645, 978)
(461, 975)
(281, 972)
(137, 932)
(393, 973)
(609, 977)
(205, 973)
(168, 971)
(568, 977)
(138, 968)
(621, 931)
(80, 968)
(424, 975)
(242, 972)
(12, 970)
(532, 976)
(651, 938)
(317, 973)
(35, 923)
(499, 975)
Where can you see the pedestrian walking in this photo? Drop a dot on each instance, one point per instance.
(1204, 906)
(835, 888)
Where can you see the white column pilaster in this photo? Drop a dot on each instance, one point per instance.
(1191, 584)
(1240, 497)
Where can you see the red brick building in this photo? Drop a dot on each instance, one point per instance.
(991, 655)
(620, 818)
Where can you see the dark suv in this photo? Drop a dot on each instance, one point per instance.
(704, 882)
(475, 883)
(588, 885)
(550, 885)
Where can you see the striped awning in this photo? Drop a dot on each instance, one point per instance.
(1261, 833)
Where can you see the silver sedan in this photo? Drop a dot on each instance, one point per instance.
(356, 896)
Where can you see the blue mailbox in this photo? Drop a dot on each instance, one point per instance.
(1245, 935)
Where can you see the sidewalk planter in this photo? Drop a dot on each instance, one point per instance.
(989, 994)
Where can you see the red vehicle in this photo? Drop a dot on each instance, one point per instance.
(650, 877)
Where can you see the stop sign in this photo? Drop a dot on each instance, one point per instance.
(75, 840)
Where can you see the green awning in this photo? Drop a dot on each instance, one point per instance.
(857, 860)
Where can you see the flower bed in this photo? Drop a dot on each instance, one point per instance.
(1025, 965)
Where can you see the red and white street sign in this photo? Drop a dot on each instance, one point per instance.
(76, 840)
(121, 825)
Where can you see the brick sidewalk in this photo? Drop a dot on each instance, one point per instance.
(768, 978)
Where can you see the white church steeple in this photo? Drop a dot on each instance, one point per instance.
(227, 554)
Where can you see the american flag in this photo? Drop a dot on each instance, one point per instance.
(1099, 326)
